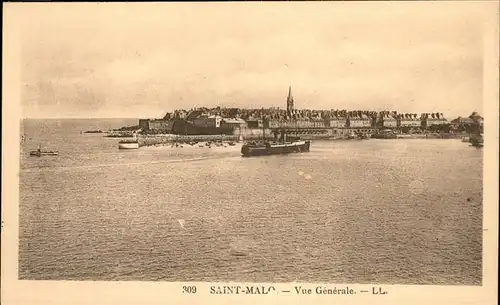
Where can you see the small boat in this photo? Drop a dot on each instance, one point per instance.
(231, 143)
(128, 144)
(477, 141)
(39, 152)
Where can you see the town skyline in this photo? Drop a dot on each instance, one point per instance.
(160, 115)
(105, 62)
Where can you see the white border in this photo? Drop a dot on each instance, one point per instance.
(72, 292)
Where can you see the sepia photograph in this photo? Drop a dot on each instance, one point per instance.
(252, 143)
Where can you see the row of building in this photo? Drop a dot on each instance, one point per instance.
(227, 120)
(205, 121)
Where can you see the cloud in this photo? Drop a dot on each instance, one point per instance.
(142, 61)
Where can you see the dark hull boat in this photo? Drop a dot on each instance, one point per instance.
(39, 152)
(253, 149)
(477, 141)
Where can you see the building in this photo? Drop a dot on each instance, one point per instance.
(255, 123)
(409, 120)
(193, 115)
(184, 127)
(318, 123)
(144, 124)
(283, 123)
(289, 101)
(232, 124)
(161, 125)
(473, 123)
(207, 121)
(300, 123)
(462, 121)
(388, 121)
(157, 125)
(180, 114)
(362, 121)
(337, 122)
(430, 119)
(272, 123)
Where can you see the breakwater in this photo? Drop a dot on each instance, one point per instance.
(158, 139)
(150, 140)
(432, 136)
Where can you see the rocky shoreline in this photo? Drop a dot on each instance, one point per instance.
(153, 140)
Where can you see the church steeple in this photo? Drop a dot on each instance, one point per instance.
(289, 100)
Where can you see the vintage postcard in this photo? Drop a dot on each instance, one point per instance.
(254, 153)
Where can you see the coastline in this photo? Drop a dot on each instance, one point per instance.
(152, 140)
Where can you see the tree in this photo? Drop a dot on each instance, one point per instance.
(475, 116)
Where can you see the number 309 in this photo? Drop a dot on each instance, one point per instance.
(188, 289)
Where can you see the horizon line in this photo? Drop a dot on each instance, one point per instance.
(78, 118)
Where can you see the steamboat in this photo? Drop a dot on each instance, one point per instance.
(282, 146)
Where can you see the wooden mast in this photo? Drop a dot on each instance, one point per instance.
(263, 132)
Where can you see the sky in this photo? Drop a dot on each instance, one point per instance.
(142, 60)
